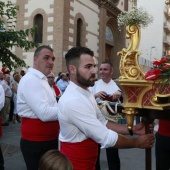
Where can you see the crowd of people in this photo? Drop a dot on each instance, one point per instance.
(62, 125)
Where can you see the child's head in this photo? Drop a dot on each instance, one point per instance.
(54, 160)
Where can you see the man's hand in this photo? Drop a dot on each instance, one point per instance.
(116, 96)
(143, 141)
(146, 141)
(139, 129)
(100, 95)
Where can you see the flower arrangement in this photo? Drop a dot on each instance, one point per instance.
(137, 16)
(160, 71)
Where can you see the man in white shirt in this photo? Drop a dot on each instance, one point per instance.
(102, 88)
(2, 102)
(37, 108)
(106, 86)
(82, 125)
(1, 76)
(2, 97)
(8, 97)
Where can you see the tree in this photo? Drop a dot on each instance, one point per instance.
(9, 37)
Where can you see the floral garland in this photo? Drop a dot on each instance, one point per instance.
(160, 71)
(137, 16)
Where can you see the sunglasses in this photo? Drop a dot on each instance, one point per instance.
(50, 77)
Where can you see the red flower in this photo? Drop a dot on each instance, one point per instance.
(167, 66)
(158, 62)
(153, 74)
(164, 59)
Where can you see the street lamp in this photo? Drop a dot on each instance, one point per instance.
(151, 52)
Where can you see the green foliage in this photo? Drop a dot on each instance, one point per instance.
(9, 37)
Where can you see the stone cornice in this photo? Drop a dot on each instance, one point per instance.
(108, 5)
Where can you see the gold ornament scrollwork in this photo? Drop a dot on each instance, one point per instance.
(129, 67)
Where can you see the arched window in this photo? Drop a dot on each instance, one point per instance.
(109, 34)
(109, 45)
(38, 22)
(79, 32)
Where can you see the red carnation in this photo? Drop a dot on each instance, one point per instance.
(153, 74)
(164, 59)
(167, 66)
(158, 62)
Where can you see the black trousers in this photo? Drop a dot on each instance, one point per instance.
(1, 160)
(113, 159)
(162, 152)
(11, 112)
(32, 151)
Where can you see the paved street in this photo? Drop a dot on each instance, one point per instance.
(131, 159)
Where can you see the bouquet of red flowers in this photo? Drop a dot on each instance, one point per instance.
(160, 70)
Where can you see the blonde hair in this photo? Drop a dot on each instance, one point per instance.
(54, 160)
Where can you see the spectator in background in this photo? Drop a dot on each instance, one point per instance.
(11, 112)
(59, 77)
(7, 71)
(2, 97)
(54, 160)
(102, 89)
(67, 74)
(8, 95)
(57, 92)
(17, 78)
(37, 107)
(4, 66)
(22, 73)
(2, 102)
(63, 82)
(1, 76)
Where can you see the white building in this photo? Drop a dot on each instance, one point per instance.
(155, 39)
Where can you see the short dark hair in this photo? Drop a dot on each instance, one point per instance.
(108, 62)
(73, 55)
(22, 72)
(36, 53)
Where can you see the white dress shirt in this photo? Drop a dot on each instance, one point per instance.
(35, 98)
(7, 89)
(100, 85)
(2, 97)
(80, 118)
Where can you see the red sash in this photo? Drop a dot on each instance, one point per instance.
(83, 155)
(164, 128)
(57, 91)
(36, 130)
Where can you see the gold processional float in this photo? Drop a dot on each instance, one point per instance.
(138, 93)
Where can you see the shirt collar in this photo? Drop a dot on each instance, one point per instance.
(80, 89)
(38, 73)
(105, 82)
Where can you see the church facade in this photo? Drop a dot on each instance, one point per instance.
(63, 24)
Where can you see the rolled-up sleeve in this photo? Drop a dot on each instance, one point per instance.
(85, 119)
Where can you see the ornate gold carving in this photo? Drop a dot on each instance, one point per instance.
(129, 67)
(160, 100)
(130, 112)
